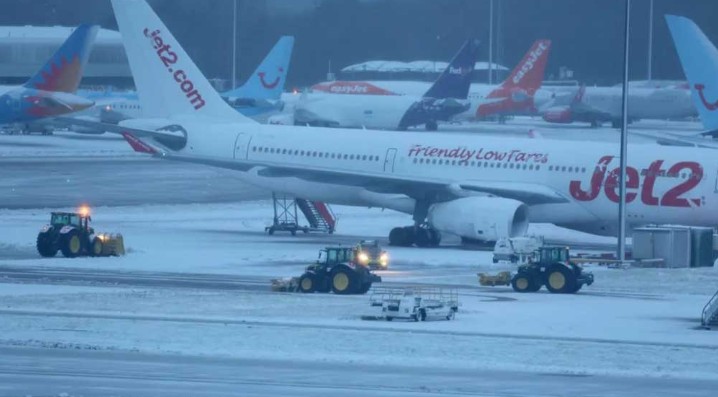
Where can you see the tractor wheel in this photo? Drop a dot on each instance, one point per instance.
(45, 246)
(71, 244)
(343, 281)
(307, 283)
(96, 247)
(364, 288)
(560, 280)
(525, 282)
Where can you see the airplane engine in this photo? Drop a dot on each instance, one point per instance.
(480, 218)
(558, 116)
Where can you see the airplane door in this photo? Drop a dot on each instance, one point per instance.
(389, 160)
(241, 146)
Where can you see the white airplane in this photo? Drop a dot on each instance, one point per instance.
(439, 102)
(518, 94)
(596, 105)
(476, 187)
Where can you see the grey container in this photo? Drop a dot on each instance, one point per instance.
(672, 244)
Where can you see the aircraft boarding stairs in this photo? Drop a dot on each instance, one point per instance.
(286, 216)
(709, 317)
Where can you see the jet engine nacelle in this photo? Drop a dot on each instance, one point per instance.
(480, 218)
(558, 115)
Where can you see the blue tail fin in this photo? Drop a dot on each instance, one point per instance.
(267, 82)
(454, 82)
(699, 58)
(63, 72)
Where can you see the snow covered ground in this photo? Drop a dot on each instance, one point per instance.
(635, 322)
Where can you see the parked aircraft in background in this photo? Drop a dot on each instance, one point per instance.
(49, 93)
(440, 101)
(699, 58)
(516, 95)
(258, 97)
(475, 187)
(598, 105)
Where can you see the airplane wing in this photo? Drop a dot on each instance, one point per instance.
(531, 194)
(668, 139)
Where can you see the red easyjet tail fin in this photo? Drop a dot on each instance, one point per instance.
(528, 74)
(516, 94)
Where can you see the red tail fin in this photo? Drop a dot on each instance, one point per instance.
(528, 74)
(137, 145)
(515, 95)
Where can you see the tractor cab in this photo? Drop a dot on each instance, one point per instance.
(70, 219)
(334, 255)
(550, 255)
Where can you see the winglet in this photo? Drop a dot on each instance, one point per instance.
(137, 145)
(455, 81)
(63, 72)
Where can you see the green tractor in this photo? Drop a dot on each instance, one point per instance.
(71, 234)
(337, 270)
(553, 268)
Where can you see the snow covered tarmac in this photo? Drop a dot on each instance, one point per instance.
(188, 309)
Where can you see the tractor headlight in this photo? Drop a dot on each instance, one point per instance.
(384, 259)
(363, 257)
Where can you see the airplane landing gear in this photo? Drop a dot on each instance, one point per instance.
(421, 236)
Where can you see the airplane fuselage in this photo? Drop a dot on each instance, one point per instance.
(665, 184)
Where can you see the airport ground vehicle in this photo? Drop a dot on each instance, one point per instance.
(418, 304)
(369, 253)
(551, 267)
(502, 278)
(337, 270)
(518, 250)
(70, 233)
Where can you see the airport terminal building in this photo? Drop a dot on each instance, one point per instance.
(24, 49)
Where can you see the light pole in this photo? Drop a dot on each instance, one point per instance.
(624, 142)
(491, 42)
(650, 42)
(234, 46)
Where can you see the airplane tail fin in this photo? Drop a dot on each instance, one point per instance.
(528, 74)
(63, 72)
(267, 82)
(699, 58)
(167, 81)
(455, 81)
